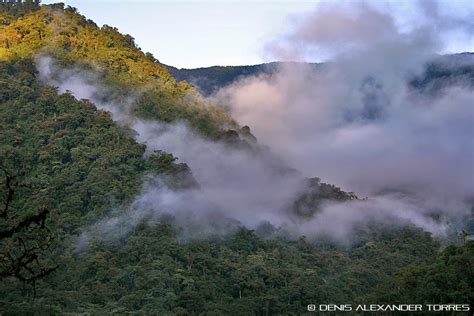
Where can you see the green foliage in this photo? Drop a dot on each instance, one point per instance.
(309, 202)
(152, 273)
(19, 7)
(82, 165)
(73, 40)
(63, 163)
(449, 279)
(60, 138)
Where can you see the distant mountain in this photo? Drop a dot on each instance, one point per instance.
(210, 79)
(443, 71)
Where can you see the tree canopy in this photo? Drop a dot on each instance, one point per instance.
(64, 165)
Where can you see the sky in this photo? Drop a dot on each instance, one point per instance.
(197, 33)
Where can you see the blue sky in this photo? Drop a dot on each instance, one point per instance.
(197, 33)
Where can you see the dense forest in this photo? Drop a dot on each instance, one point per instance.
(65, 164)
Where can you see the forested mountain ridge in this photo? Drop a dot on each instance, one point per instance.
(442, 71)
(71, 39)
(68, 155)
(210, 79)
(65, 156)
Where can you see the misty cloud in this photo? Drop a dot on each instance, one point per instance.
(354, 122)
(343, 29)
(238, 186)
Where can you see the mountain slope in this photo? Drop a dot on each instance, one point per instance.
(71, 39)
(64, 155)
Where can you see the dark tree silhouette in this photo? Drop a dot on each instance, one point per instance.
(23, 241)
